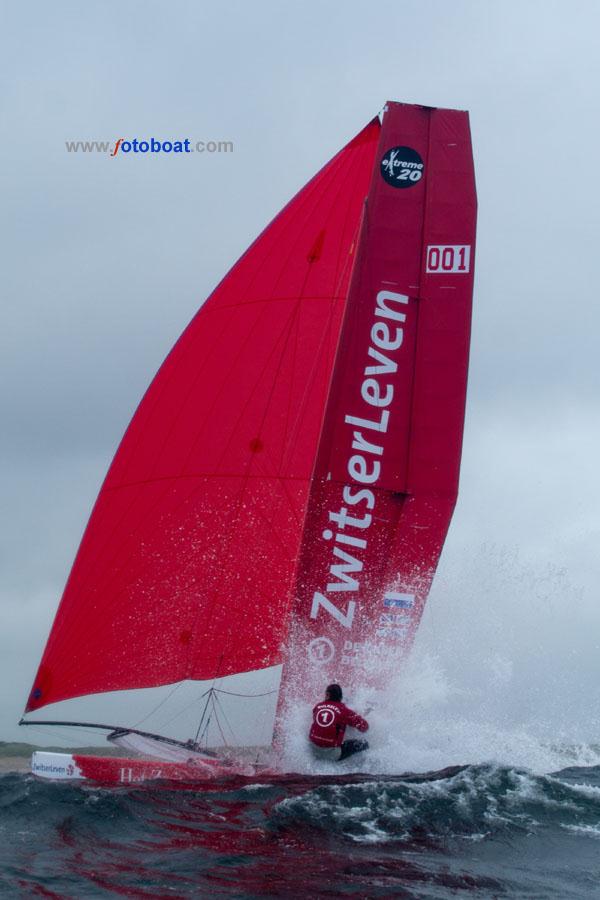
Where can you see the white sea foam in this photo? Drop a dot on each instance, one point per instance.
(477, 802)
(425, 722)
(586, 790)
(588, 830)
(492, 678)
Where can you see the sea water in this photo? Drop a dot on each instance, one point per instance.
(499, 683)
(489, 831)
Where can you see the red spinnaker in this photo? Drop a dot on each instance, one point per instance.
(186, 567)
(387, 469)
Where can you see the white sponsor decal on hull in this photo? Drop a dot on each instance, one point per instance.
(54, 766)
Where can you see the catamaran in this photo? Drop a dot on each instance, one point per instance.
(282, 494)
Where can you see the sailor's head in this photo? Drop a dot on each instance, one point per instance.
(333, 692)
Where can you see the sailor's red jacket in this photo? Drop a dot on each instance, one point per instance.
(330, 721)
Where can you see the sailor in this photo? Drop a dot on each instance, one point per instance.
(330, 719)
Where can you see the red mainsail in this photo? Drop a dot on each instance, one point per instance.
(285, 488)
(387, 469)
(186, 568)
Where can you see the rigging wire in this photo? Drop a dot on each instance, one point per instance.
(210, 709)
(189, 705)
(226, 720)
(204, 712)
(61, 735)
(184, 709)
(224, 739)
(234, 694)
(205, 732)
(210, 693)
(262, 731)
(158, 705)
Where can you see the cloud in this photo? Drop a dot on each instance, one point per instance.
(107, 260)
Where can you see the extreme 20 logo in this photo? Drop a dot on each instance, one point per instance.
(402, 167)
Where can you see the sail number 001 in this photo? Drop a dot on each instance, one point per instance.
(442, 260)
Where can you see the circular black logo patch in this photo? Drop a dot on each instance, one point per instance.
(402, 167)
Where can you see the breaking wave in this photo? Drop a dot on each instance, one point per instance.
(480, 831)
(477, 802)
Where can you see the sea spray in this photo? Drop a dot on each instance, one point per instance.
(491, 678)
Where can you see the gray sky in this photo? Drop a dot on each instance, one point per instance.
(106, 260)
